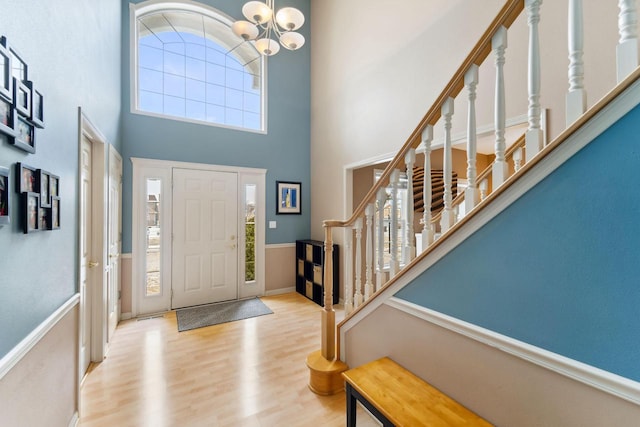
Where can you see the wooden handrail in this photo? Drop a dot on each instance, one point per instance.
(507, 15)
(544, 153)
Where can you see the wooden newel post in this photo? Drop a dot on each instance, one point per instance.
(325, 369)
(328, 314)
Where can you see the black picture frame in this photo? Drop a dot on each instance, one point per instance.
(6, 80)
(31, 212)
(53, 214)
(7, 119)
(43, 182)
(25, 138)
(4, 196)
(54, 185)
(36, 114)
(22, 97)
(288, 198)
(18, 66)
(26, 178)
(44, 217)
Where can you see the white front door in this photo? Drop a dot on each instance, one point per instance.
(205, 237)
(114, 233)
(85, 255)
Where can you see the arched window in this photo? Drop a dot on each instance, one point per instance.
(188, 65)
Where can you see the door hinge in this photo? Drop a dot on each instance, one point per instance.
(119, 295)
(171, 293)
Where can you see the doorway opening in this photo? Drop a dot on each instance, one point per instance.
(198, 234)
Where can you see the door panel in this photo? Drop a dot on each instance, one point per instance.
(114, 233)
(205, 252)
(85, 255)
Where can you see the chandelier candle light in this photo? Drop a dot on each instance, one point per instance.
(263, 23)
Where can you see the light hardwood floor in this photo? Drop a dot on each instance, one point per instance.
(246, 373)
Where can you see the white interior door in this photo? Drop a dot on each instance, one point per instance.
(205, 230)
(85, 255)
(114, 233)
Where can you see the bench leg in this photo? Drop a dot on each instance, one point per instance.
(351, 407)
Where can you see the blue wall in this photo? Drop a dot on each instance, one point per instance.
(72, 50)
(284, 151)
(560, 268)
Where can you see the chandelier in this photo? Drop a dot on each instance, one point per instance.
(263, 23)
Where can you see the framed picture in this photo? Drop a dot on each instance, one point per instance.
(31, 212)
(26, 178)
(18, 66)
(7, 118)
(44, 214)
(288, 198)
(43, 182)
(25, 138)
(6, 82)
(54, 185)
(4, 196)
(53, 214)
(22, 97)
(37, 106)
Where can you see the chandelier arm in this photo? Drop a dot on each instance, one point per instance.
(276, 29)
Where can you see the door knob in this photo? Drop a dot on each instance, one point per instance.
(93, 264)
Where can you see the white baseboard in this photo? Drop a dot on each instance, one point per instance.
(16, 354)
(126, 316)
(280, 291)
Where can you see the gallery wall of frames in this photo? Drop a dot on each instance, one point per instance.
(21, 113)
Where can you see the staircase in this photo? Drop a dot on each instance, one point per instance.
(387, 280)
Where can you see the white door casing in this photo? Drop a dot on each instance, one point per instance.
(114, 233)
(205, 237)
(92, 158)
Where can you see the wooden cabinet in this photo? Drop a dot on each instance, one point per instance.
(310, 270)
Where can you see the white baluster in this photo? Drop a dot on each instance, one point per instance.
(534, 138)
(409, 240)
(627, 49)
(471, 193)
(484, 187)
(368, 283)
(395, 262)
(348, 287)
(427, 230)
(357, 298)
(517, 159)
(447, 219)
(577, 96)
(381, 198)
(434, 230)
(500, 169)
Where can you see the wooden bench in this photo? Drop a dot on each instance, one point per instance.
(398, 398)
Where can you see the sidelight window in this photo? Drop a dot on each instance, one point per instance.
(153, 240)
